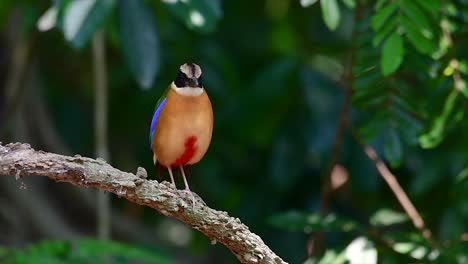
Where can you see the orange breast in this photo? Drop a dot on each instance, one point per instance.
(184, 128)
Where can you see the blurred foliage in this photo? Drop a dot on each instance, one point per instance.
(275, 72)
(81, 251)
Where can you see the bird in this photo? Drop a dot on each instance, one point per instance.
(182, 123)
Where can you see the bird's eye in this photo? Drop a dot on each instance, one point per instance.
(181, 80)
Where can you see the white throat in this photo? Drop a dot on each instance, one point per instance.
(187, 91)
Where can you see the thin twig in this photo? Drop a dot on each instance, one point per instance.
(21, 160)
(100, 129)
(395, 187)
(342, 124)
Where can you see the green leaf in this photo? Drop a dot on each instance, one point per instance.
(387, 217)
(380, 18)
(392, 54)
(418, 17)
(374, 126)
(330, 13)
(199, 15)
(408, 127)
(83, 18)
(379, 4)
(452, 224)
(392, 148)
(436, 132)
(298, 221)
(462, 87)
(431, 6)
(140, 44)
(387, 29)
(462, 176)
(90, 248)
(351, 4)
(87, 251)
(415, 36)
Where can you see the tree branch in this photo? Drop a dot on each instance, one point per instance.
(396, 188)
(21, 160)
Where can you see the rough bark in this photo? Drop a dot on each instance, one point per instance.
(21, 160)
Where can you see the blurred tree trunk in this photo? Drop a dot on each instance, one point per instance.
(100, 132)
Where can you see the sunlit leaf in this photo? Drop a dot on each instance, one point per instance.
(392, 54)
(462, 87)
(48, 20)
(199, 15)
(331, 13)
(413, 249)
(361, 250)
(140, 43)
(331, 257)
(83, 18)
(462, 176)
(307, 3)
(386, 217)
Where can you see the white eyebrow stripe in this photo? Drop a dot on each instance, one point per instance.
(191, 70)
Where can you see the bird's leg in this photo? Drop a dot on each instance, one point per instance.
(172, 176)
(186, 184)
(185, 179)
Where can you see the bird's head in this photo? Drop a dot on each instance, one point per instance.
(189, 76)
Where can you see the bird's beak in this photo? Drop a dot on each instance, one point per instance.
(193, 82)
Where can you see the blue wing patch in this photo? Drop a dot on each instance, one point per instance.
(159, 107)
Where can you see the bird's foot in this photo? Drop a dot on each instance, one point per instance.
(190, 193)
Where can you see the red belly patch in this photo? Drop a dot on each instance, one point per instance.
(189, 151)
